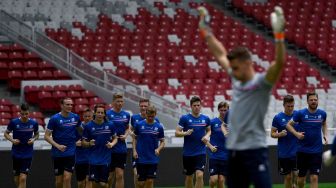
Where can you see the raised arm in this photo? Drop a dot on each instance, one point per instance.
(278, 25)
(215, 47)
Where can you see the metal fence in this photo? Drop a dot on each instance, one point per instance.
(78, 67)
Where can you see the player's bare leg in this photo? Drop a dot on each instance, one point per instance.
(199, 179)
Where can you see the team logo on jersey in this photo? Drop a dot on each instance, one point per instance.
(137, 120)
(203, 121)
(72, 119)
(190, 120)
(319, 116)
(112, 115)
(283, 120)
(17, 126)
(156, 128)
(61, 121)
(124, 116)
(142, 127)
(30, 126)
(216, 125)
(306, 116)
(93, 129)
(106, 127)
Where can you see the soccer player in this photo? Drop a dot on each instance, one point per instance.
(143, 104)
(329, 155)
(82, 155)
(148, 133)
(25, 132)
(309, 153)
(120, 119)
(217, 151)
(287, 143)
(246, 141)
(61, 133)
(194, 127)
(99, 136)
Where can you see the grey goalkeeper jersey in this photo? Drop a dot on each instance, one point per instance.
(247, 111)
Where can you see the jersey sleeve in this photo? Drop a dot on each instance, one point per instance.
(10, 126)
(113, 128)
(297, 117)
(161, 132)
(51, 124)
(324, 116)
(128, 119)
(79, 122)
(182, 122)
(275, 122)
(36, 127)
(207, 122)
(136, 128)
(132, 121)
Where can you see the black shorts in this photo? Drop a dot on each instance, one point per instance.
(118, 160)
(218, 167)
(247, 167)
(99, 173)
(62, 164)
(286, 165)
(193, 163)
(21, 165)
(309, 161)
(82, 170)
(146, 171)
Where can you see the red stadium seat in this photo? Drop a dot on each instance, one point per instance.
(30, 75)
(14, 82)
(31, 94)
(4, 122)
(73, 94)
(46, 102)
(60, 75)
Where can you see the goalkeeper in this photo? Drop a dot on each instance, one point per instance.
(248, 154)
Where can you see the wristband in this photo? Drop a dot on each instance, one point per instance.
(279, 36)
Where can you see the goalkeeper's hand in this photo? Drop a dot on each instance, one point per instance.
(204, 23)
(278, 23)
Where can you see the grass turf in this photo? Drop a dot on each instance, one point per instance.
(321, 185)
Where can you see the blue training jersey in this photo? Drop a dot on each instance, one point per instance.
(193, 144)
(121, 123)
(23, 132)
(100, 154)
(64, 133)
(311, 125)
(287, 146)
(137, 118)
(218, 139)
(82, 153)
(148, 137)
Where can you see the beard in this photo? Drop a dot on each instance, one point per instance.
(313, 106)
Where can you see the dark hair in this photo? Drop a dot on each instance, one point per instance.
(117, 96)
(240, 53)
(311, 93)
(194, 99)
(223, 104)
(151, 109)
(288, 99)
(24, 107)
(87, 110)
(63, 99)
(95, 110)
(143, 100)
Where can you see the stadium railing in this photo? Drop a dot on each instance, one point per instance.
(73, 64)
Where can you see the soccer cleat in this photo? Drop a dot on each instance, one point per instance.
(328, 158)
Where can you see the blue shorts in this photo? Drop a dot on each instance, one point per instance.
(62, 164)
(99, 173)
(82, 170)
(21, 165)
(193, 163)
(218, 167)
(309, 161)
(146, 171)
(286, 165)
(249, 167)
(118, 160)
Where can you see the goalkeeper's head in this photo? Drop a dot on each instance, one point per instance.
(241, 64)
